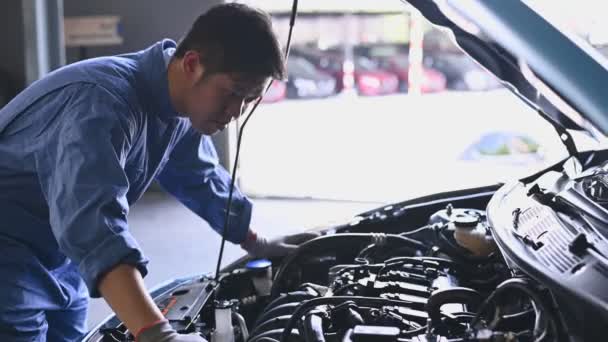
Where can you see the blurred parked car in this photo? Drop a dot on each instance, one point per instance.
(276, 92)
(366, 76)
(304, 80)
(432, 80)
(460, 71)
(370, 79)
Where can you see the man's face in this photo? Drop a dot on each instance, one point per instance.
(217, 99)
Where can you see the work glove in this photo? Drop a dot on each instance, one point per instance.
(162, 331)
(261, 247)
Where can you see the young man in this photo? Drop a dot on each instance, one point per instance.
(81, 145)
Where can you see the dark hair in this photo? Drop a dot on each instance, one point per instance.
(235, 38)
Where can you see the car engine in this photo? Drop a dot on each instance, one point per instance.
(521, 262)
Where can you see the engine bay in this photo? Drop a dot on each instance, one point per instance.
(525, 261)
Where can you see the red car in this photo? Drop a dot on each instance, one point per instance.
(276, 92)
(432, 80)
(363, 75)
(371, 80)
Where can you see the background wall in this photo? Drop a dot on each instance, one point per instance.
(12, 55)
(143, 22)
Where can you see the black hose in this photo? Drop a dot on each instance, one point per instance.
(309, 304)
(451, 295)
(270, 324)
(524, 286)
(281, 310)
(313, 328)
(266, 339)
(296, 296)
(276, 333)
(328, 242)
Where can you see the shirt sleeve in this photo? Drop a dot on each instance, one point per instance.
(81, 171)
(193, 175)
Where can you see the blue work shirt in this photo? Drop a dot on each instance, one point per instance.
(81, 145)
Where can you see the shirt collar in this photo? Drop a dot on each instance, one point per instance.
(167, 54)
(154, 82)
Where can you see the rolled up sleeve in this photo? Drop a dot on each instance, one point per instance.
(81, 171)
(193, 175)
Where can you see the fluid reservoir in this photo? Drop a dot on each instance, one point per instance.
(261, 275)
(224, 331)
(472, 235)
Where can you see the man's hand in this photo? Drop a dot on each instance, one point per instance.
(163, 332)
(261, 247)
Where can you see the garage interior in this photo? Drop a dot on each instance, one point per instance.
(305, 162)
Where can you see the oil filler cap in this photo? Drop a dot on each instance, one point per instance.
(376, 333)
(261, 275)
(466, 221)
(258, 264)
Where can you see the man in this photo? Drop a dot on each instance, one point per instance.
(81, 145)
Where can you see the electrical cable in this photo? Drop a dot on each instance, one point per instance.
(345, 287)
(310, 304)
(292, 21)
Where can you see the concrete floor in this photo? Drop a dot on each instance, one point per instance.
(178, 243)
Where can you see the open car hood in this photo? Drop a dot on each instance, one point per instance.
(551, 72)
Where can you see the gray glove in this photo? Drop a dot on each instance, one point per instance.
(164, 332)
(261, 247)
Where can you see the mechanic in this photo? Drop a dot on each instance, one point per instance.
(81, 145)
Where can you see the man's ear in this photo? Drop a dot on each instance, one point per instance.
(192, 66)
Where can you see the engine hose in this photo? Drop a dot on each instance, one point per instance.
(347, 336)
(365, 251)
(451, 295)
(266, 339)
(313, 328)
(281, 310)
(312, 303)
(271, 324)
(242, 325)
(328, 242)
(524, 286)
(275, 334)
(291, 297)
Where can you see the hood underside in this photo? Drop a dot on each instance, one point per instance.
(541, 65)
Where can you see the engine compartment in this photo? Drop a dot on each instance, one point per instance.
(373, 278)
(524, 261)
(418, 285)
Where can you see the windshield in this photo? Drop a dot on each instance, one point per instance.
(377, 139)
